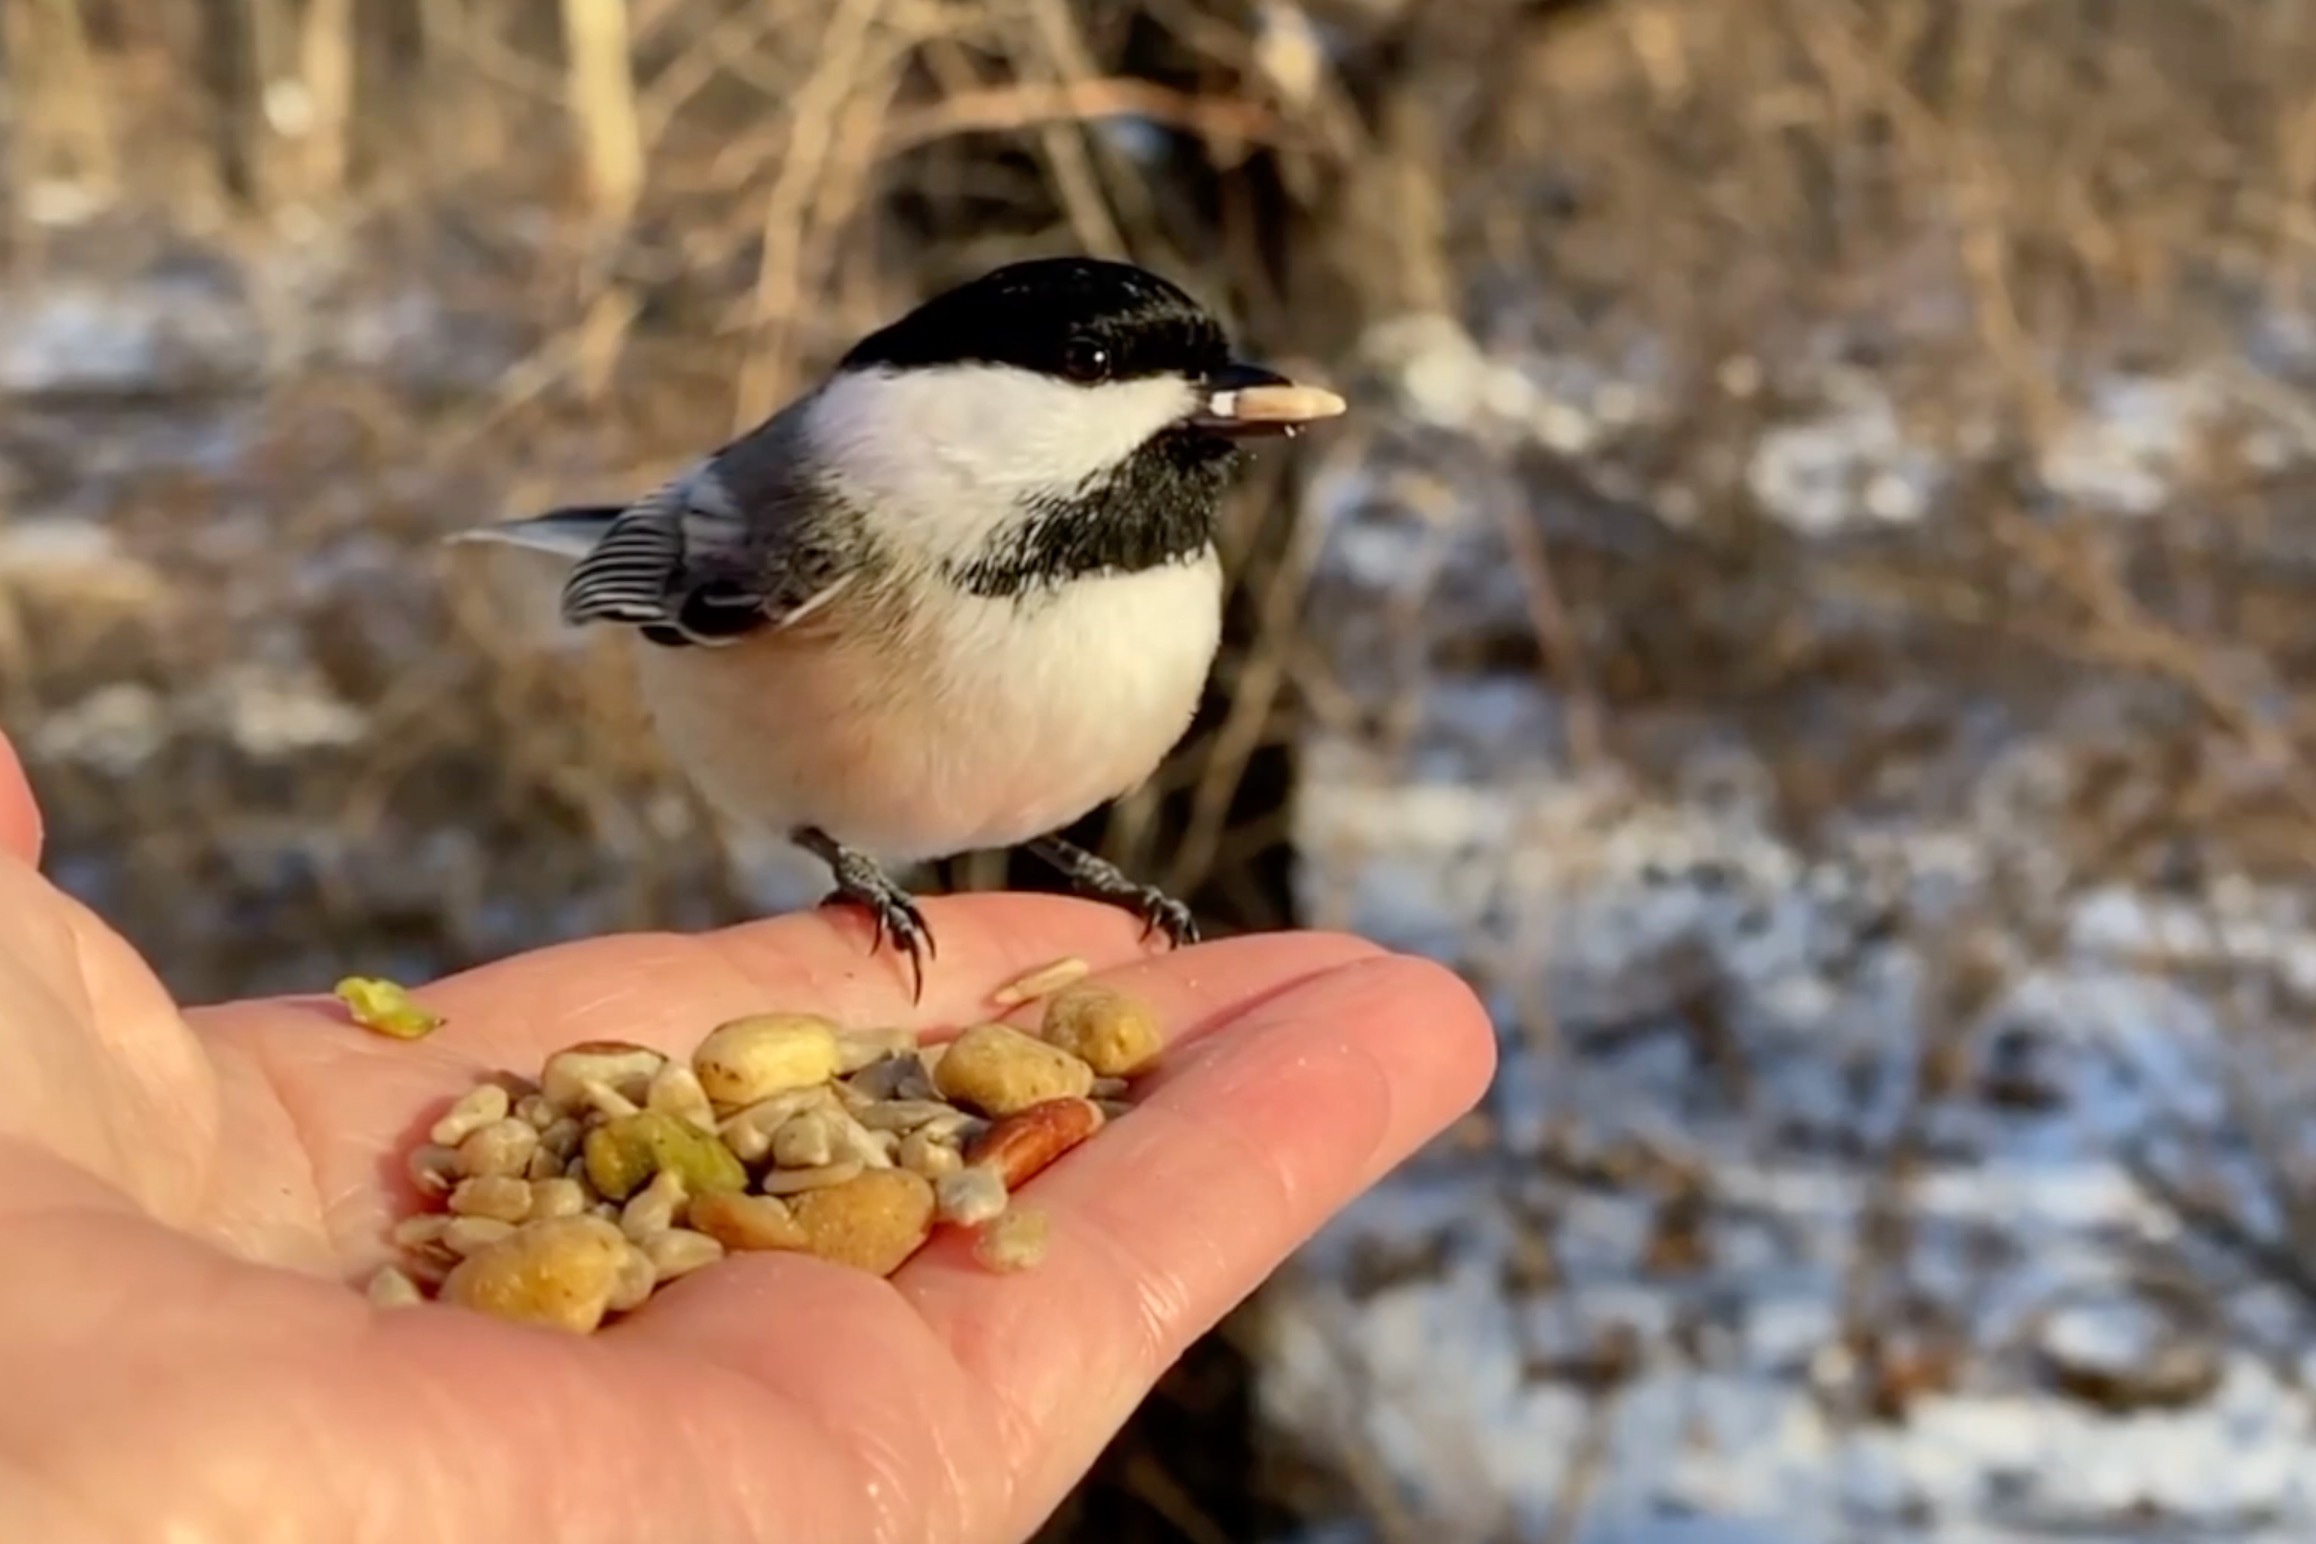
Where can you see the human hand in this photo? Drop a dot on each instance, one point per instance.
(186, 1198)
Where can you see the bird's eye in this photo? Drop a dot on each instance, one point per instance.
(1085, 360)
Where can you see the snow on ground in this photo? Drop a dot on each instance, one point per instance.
(1661, 1302)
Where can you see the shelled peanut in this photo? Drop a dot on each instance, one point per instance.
(570, 1199)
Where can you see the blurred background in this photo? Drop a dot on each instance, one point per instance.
(1801, 614)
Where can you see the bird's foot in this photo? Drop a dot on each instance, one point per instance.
(1103, 880)
(859, 882)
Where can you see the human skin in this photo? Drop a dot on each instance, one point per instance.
(188, 1198)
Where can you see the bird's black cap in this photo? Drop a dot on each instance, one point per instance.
(1077, 318)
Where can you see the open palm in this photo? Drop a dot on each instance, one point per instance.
(186, 1197)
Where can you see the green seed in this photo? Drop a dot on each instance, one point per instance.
(624, 1153)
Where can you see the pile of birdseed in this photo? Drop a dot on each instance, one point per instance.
(570, 1199)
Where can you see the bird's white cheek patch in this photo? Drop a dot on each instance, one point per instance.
(951, 454)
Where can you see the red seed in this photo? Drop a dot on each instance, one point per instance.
(1027, 1141)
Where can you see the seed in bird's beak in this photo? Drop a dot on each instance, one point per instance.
(1245, 401)
(1282, 404)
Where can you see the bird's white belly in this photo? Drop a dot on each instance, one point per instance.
(975, 724)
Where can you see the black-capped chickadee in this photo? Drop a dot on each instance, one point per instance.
(958, 594)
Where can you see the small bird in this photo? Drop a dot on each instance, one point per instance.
(959, 593)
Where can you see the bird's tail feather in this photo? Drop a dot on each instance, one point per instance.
(570, 532)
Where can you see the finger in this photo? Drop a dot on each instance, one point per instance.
(1172, 1215)
(1192, 992)
(20, 828)
(256, 1400)
(1159, 1226)
(103, 1073)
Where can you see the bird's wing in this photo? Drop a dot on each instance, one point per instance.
(719, 551)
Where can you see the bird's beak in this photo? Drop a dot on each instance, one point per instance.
(1241, 400)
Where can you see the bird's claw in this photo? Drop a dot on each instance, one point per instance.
(1103, 880)
(897, 918)
(1163, 913)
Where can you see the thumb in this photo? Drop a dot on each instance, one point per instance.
(19, 815)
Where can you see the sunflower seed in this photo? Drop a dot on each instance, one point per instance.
(788, 1182)
(392, 1287)
(467, 1235)
(476, 1108)
(747, 1222)
(896, 1077)
(806, 1141)
(558, 1197)
(492, 1195)
(675, 1090)
(873, 1148)
(633, 1281)
(501, 1147)
(970, 1197)
(1043, 981)
(434, 1169)
(748, 1132)
(923, 1153)
(654, 1208)
(626, 1069)
(860, 1048)
(904, 1114)
(680, 1251)
(605, 1100)
(419, 1233)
